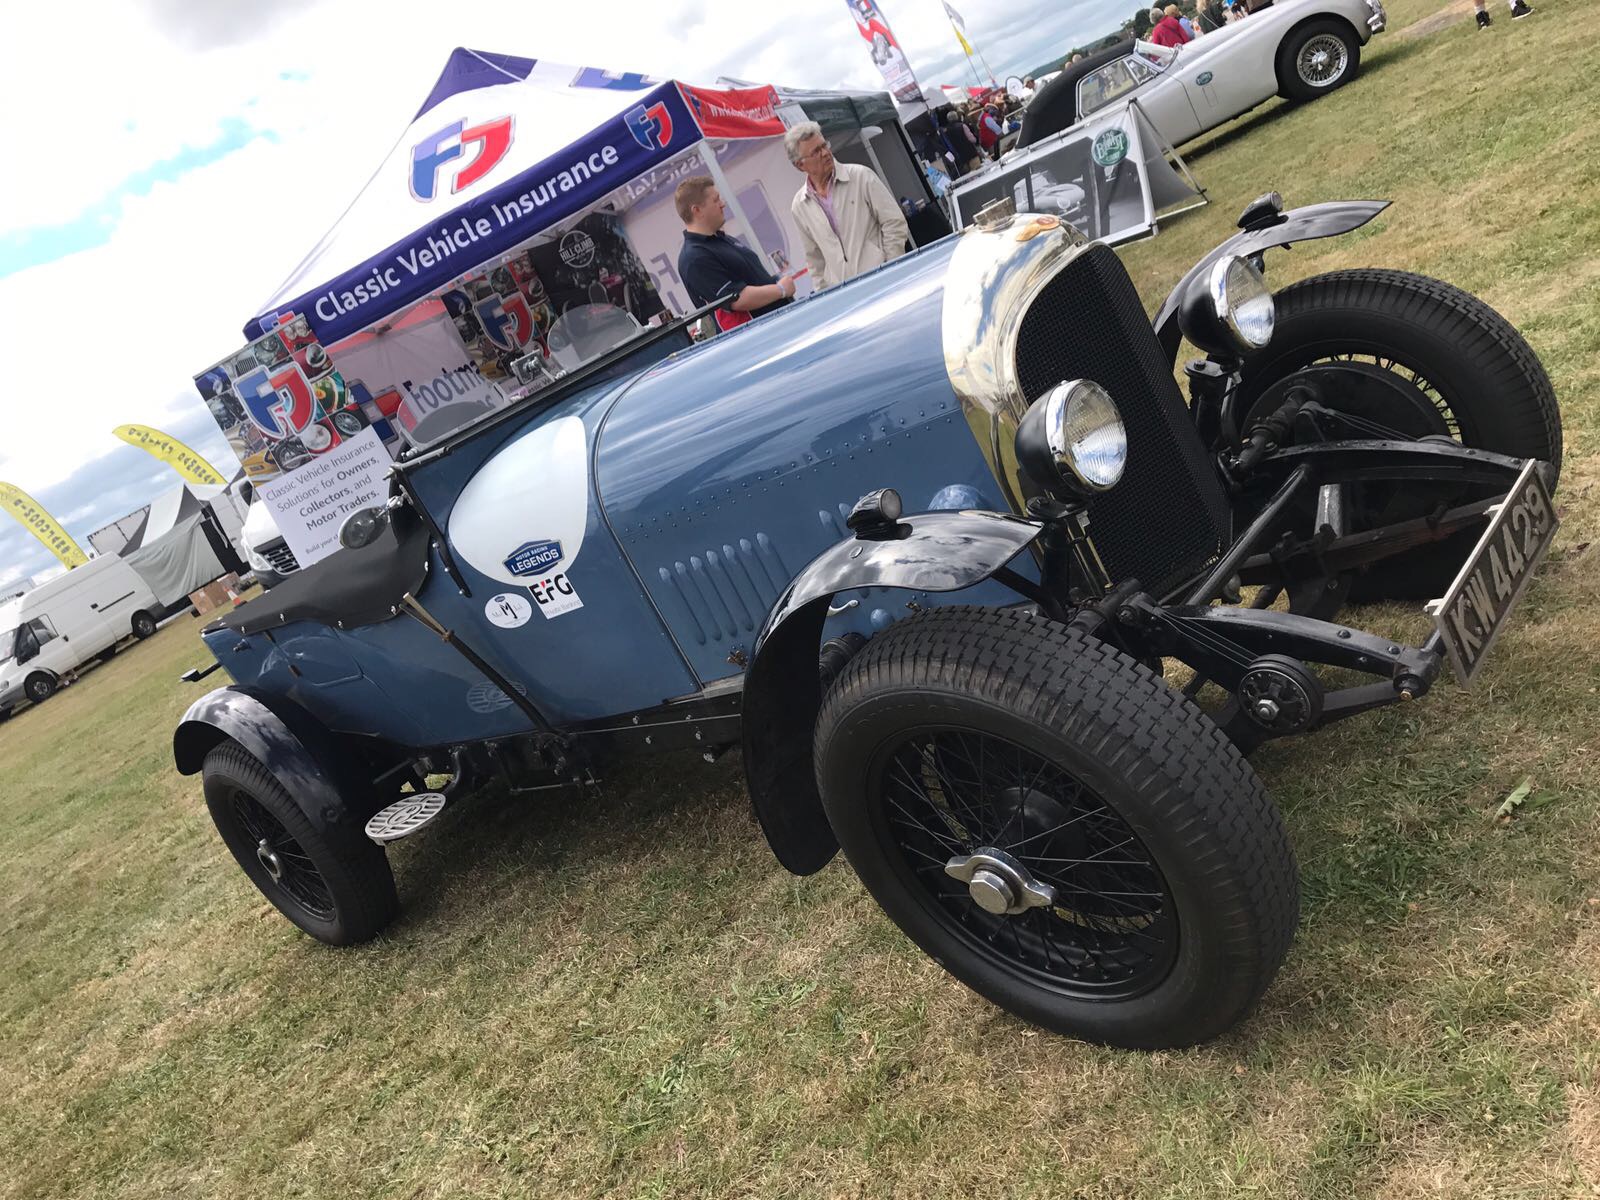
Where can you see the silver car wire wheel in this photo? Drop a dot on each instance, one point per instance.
(1322, 61)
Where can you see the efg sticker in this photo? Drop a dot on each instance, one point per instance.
(555, 595)
(534, 558)
(508, 610)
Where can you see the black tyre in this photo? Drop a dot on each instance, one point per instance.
(1316, 58)
(143, 624)
(1438, 362)
(972, 730)
(339, 896)
(39, 687)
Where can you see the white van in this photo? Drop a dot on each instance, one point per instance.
(49, 632)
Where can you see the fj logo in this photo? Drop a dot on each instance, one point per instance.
(481, 147)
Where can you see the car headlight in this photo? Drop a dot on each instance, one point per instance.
(257, 560)
(1230, 309)
(1072, 441)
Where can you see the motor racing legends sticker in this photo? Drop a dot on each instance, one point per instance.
(508, 610)
(555, 595)
(534, 558)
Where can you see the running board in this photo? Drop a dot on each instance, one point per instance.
(404, 817)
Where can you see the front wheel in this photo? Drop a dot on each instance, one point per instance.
(1408, 357)
(39, 687)
(143, 624)
(339, 895)
(1316, 58)
(1057, 828)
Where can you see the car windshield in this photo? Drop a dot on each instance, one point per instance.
(588, 331)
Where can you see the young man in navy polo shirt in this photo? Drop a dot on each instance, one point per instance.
(712, 265)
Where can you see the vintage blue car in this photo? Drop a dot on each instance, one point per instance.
(921, 547)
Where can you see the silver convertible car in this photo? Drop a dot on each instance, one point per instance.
(1298, 49)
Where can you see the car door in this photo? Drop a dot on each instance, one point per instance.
(1232, 70)
(1159, 72)
(44, 648)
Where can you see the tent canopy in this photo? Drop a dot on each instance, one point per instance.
(489, 162)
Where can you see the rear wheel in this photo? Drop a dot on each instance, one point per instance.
(39, 687)
(1057, 828)
(1409, 357)
(143, 624)
(338, 895)
(1316, 58)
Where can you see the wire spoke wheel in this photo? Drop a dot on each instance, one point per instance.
(1322, 60)
(1056, 827)
(950, 793)
(289, 867)
(1407, 357)
(325, 877)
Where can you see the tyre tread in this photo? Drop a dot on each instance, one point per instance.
(1126, 716)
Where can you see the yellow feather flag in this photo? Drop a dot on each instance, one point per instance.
(172, 452)
(41, 524)
(964, 44)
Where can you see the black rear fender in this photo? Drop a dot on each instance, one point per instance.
(326, 778)
(933, 552)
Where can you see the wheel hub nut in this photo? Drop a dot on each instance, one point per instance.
(990, 892)
(1266, 711)
(268, 858)
(998, 883)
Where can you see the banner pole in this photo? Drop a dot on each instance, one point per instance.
(725, 189)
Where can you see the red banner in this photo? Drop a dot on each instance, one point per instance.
(734, 112)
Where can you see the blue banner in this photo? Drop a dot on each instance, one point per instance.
(653, 130)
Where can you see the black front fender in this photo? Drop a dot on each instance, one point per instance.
(935, 552)
(1297, 225)
(292, 745)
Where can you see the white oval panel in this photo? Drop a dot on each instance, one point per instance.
(534, 490)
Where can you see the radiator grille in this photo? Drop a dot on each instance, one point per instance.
(1168, 518)
(281, 557)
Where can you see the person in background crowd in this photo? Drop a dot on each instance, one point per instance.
(1028, 89)
(1208, 15)
(1519, 9)
(990, 131)
(1166, 31)
(847, 217)
(959, 141)
(713, 265)
(1189, 26)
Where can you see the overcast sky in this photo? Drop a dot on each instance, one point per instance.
(168, 162)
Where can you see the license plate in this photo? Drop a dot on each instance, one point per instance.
(1474, 610)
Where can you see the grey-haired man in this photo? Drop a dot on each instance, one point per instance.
(848, 219)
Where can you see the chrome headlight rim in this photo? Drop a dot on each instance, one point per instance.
(1250, 331)
(1065, 465)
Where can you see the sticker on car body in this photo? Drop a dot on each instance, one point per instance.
(555, 595)
(508, 610)
(534, 558)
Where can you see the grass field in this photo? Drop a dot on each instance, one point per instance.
(623, 994)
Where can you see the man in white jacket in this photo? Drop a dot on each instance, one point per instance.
(848, 219)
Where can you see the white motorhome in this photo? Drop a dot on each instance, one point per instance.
(48, 633)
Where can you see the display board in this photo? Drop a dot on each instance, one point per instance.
(302, 434)
(1109, 176)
